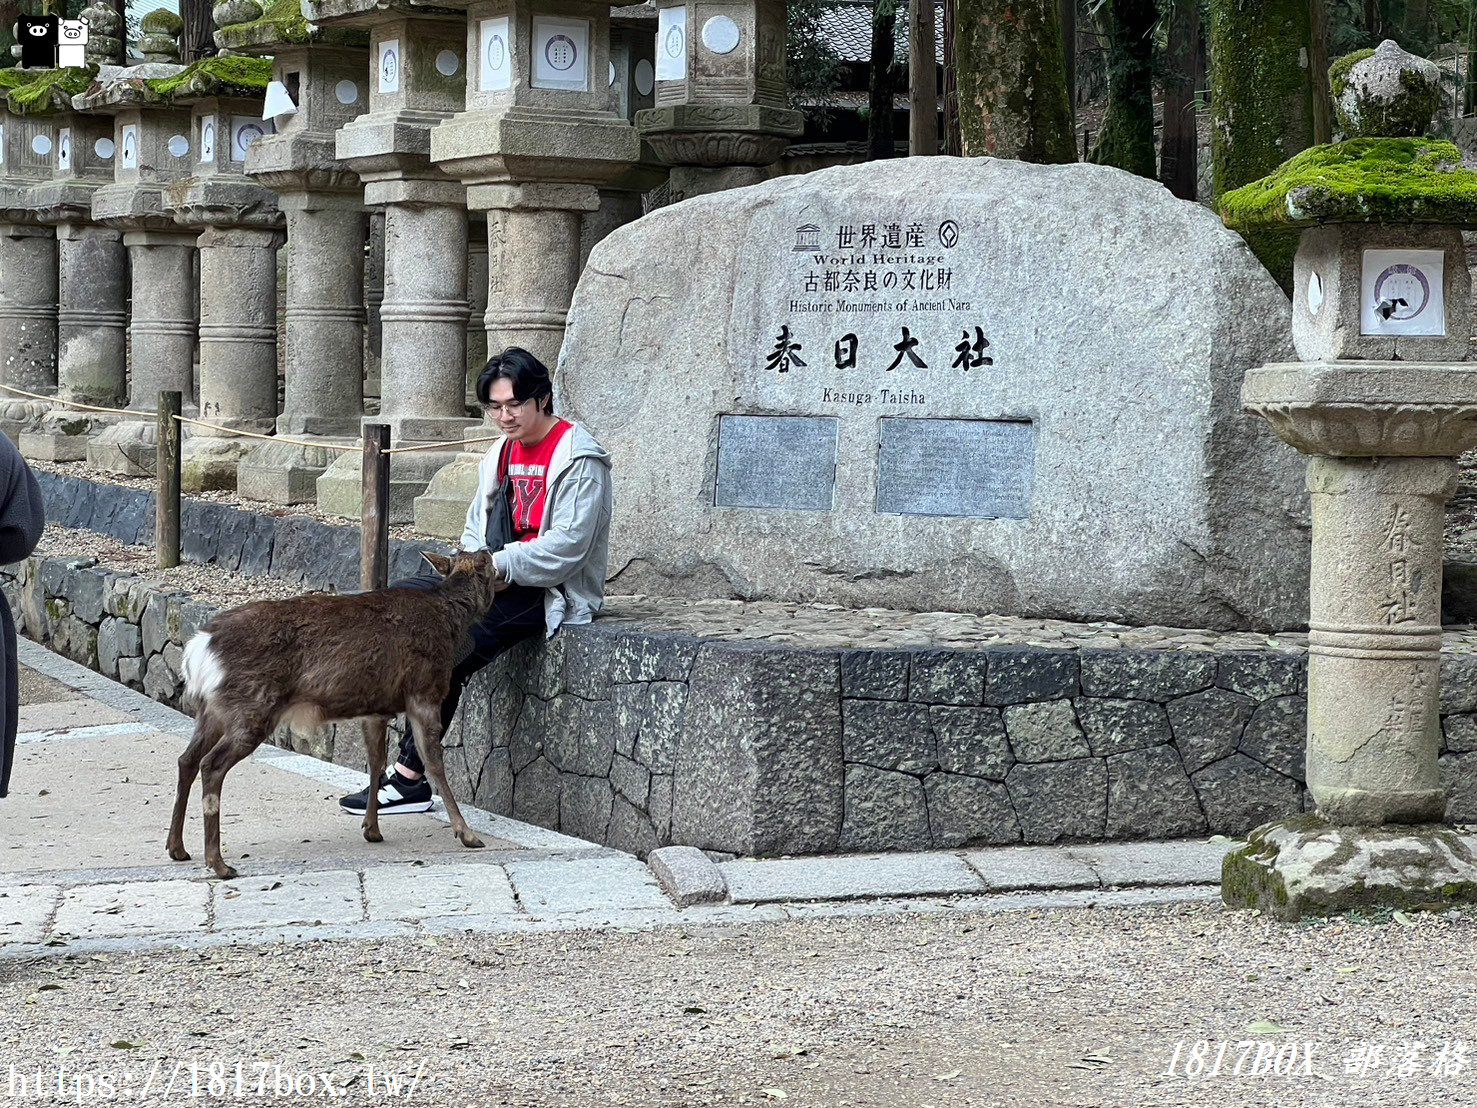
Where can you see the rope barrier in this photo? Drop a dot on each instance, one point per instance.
(270, 438)
(131, 413)
(142, 415)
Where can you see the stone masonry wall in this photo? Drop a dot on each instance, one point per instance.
(636, 738)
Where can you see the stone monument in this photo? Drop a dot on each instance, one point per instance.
(1382, 404)
(942, 384)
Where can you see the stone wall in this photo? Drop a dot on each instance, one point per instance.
(635, 737)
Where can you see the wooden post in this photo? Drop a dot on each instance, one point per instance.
(166, 472)
(923, 99)
(374, 513)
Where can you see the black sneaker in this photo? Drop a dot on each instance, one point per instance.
(396, 794)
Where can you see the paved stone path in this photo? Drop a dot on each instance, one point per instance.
(85, 869)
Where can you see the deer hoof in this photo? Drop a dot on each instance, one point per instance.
(179, 853)
(225, 872)
(372, 835)
(469, 838)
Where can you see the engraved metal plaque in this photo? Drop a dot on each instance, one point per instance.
(956, 467)
(776, 462)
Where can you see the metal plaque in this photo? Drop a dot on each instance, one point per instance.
(776, 462)
(956, 467)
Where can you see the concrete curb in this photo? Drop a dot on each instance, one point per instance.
(688, 876)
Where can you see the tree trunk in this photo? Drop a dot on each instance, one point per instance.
(1261, 102)
(197, 40)
(1184, 61)
(1067, 17)
(1011, 70)
(951, 87)
(1318, 55)
(1469, 102)
(880, 88)
(1127, 137)
(923, 97)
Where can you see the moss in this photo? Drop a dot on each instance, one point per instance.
(226, 76)
(15, 76)
(282, 24)
(161, 21)
(1338, 72)
(49, 89)
(1366, 180)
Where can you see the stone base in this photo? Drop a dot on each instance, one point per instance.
(340, 489)
(62, 435)
(442, 509)
(18, 416)
(283, 473)
(127, 449)
(208, 464)
(1306, 867)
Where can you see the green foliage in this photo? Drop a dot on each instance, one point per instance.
(813, 68)
(233, 75)
(1366, 180)
(35, 94)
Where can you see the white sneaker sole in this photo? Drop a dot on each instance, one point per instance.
(398, 810)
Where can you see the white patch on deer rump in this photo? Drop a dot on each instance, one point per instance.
(203, 672)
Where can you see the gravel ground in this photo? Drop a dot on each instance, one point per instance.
(1066, 1007)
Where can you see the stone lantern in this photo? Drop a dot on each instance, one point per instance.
(417, 75)
(28, 274)
(152, 149)
(240, 231)
(92, 268)
(535, 146)
(720, 114)
(1382, 403)
(319, 86)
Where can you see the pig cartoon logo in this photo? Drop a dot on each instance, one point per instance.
(38, 36)
(71, 48)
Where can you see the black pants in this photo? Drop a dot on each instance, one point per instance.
(517, 613)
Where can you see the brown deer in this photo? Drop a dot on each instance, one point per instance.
(320, 657)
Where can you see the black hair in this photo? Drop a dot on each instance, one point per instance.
(529, 377)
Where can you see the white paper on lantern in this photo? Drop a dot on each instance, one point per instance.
(103, 148)
(671, 44)
(41, 145)
(245, 131)
(612, 74)
(448, 62)
(346, 92)
(561, 53)
(129, 159)
(721, 34)
(389, 66)
(64, 148)
(645, 77)
(497, 61)
(207, 139)
(179, 145)
(2, 144)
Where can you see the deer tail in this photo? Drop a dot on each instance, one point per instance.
(202, 668)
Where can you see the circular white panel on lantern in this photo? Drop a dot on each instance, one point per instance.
(561, 54)
(41, 145)
(347, 92)
(245, 131)
(1315, 293)
(645, 77)
(179, 146)
(447, 63)
(721, 34)
(103, 148)
(612, 74)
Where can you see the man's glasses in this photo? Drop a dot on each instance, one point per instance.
(512, 407)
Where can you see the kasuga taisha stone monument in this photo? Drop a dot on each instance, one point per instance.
(1382, 403)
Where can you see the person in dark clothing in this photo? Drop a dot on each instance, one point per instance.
(543, 508)
(22, 520)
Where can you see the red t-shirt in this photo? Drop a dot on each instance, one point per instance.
(527, 466)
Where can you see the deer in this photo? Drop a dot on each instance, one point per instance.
(320, 657)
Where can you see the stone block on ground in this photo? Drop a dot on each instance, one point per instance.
(1009, 869)
(969, 811)
(1304, 867)
(971, 741)
(888, 735)
(1150, 796)
(561, 886)
(883, 811)
(1045, 732)
(1188, 862)
(1116, 726)
(1208, 725)
(1060, 800)
(1238, 794)
(849, 878)
(688, 876)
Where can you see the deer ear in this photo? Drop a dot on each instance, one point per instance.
(440, 564)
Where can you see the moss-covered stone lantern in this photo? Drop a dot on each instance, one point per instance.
(1382, 403)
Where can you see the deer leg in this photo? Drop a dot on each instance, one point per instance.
(374, 747)
(425, 720)
(213, 770)
(207, 734)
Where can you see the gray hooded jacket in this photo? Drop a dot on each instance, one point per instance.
(569, 557)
